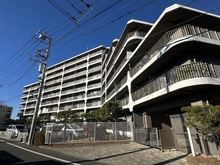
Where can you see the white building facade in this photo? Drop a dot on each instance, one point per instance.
(152, 70)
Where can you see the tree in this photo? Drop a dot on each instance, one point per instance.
(205, 119)
(65, 117)
(109, 112)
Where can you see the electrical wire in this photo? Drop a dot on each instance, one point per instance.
(58, 7)
(16, 73)
(9, 66)
(167, 29)
(65, 35)
(149, 2)
(16, 81)
(16, 53)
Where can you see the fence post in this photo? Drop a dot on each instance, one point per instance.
(94, 130)
(115, 132)
(190, 141)
(51, 134)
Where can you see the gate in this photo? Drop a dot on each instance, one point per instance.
(147, 136)
(180, 133)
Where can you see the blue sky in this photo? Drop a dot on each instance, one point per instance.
(20, 20)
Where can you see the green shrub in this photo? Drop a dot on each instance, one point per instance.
(39, 138)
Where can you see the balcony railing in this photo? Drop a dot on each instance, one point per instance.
(74, 82)
(98, 68)
(54, 75)
(92, 104)
(29, 112)
(93, 61)
(94, 77)
(168, 37)
(52, 88)
(50, 102)
(95, 54)
(54, 69)
(172, 76)
(51, 95)
(53, 109)
(76, 61)
(75, 67)
(74, 75)
(31, 105)
(98, 93)
(94, 85)
(53, 82)
(73, 90)
(124, 101)
(117, 87)
(72, 98)
(117, 70)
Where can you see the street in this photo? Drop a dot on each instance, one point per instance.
(14, 153)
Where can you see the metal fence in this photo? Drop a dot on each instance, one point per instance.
(147, 136)
(88, 132)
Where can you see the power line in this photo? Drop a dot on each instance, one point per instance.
(20, 57)
(16, 53)
(86, 21)
(14, 82)
(16, 73)
(149, 2)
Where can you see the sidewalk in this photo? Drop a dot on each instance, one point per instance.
(123, 154)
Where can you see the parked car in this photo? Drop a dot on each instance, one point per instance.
(73, 130)
(15, 129)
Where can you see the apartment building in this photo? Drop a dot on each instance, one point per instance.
(71, 84)
(175, 64)
(152, 70)
(5, 113)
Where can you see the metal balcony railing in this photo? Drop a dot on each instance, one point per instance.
(124, 101)
(50, 102)
(54, 69)
(76, 61)
(95, 103)
(93, 61)
(74, 82)
(94, 85)
(98, 68)
(96, 53)
(97, 93)
(54, 75)
(94, 77)
(51, 95)
(52, 88)
(117, 87)
(172, 76)
(169, 37)
(75, 68)
(117, 70)
(53, 82)
(74, 75)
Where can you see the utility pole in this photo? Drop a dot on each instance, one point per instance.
(42, 70)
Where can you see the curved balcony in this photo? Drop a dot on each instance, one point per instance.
(169, 37)
(117, 87)
(129, 35)
(177, 74)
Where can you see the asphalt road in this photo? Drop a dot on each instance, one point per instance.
(15, 153)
